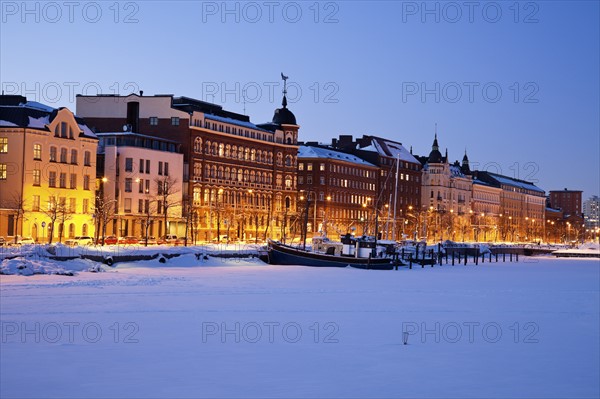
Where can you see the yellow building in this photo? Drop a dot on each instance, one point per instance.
(47, 172)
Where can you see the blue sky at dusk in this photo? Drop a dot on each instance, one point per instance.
(516, 84)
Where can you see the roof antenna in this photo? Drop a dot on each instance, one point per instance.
(244, 100)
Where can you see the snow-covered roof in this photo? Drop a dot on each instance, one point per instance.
(391, 149)
(516, 183)
(318, 152)
(455, 171)
(40, 106)
(232, 121)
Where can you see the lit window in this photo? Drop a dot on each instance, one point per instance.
(36, 177)
(3, 145)
(2, 171)
(37, 151)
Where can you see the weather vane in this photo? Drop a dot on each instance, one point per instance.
(284, 78)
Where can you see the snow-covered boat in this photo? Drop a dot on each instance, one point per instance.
(355, 252)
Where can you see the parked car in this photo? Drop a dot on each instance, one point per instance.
(128, 240)
(109, 240)
(168, 239)
(79, 240)
(2, 241)
(21, 241)
(151, 240)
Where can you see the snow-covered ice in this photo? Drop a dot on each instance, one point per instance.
(240, 328)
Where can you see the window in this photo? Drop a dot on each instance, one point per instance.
(160, 168)
(147, 166)
(147, 188)
(63, 155)
(309, 166)
(52, 154)
(174, 121)
(2, 171)
(64, 130)
(51, 179)
(309, 179)
(141, 186)
(86, 182)
(73, 181)
(35, 207)
(141, 166)
(300, 179)
(85, 206)
(74, 157)
(322, 167)
(153, 121)
(166, 169)
(322, 180)
(87, 158)
(159, 188)
(63, 180)
(37, 152)
(300, 166)
(73, 205)
(36, 177)
(127, 206)
(128, 164)
(3, 145)
(128, 184)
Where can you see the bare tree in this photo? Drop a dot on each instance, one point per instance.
(104, 211)
(166, 195)
(56, 211)
(16, 205)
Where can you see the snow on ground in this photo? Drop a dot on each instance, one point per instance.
(240, 328)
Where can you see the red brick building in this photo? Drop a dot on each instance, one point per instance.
(569, 201)
(239, 177)
(337, 192)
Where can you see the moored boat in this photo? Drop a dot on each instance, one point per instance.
(355, 253)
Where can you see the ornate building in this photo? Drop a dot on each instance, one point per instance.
(446, 192)
(47, 172)
(239, 177)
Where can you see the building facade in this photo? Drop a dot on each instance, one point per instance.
(591, 211)
(239, 178)
(398, 181)
(569, 201)
(47, 172)
(140, 183)
(337, 193)
(446, 209)
(522, 207)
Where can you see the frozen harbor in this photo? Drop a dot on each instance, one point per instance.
(240, 328)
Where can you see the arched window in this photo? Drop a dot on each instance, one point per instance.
(240, 174)
(233, 174)
(213, 171)
(245, 175)
(287, 202)
(252, 176)
(220, 172)
(215, 148)
(233, 151)
(226, 176)
(221, 149)
(198, 145)
(246, 153)
(253, 155)
(207, 147)
(227, 150)
(288, 160)
(288, 181)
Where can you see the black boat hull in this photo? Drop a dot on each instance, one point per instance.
(283, 255)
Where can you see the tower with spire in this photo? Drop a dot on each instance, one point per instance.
(465, 164)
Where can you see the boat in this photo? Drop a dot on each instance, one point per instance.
(354, 252)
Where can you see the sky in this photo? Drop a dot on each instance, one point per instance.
(515, 84)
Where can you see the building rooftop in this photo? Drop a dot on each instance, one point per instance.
(326, 153)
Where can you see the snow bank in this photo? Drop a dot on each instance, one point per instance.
(28, 266)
